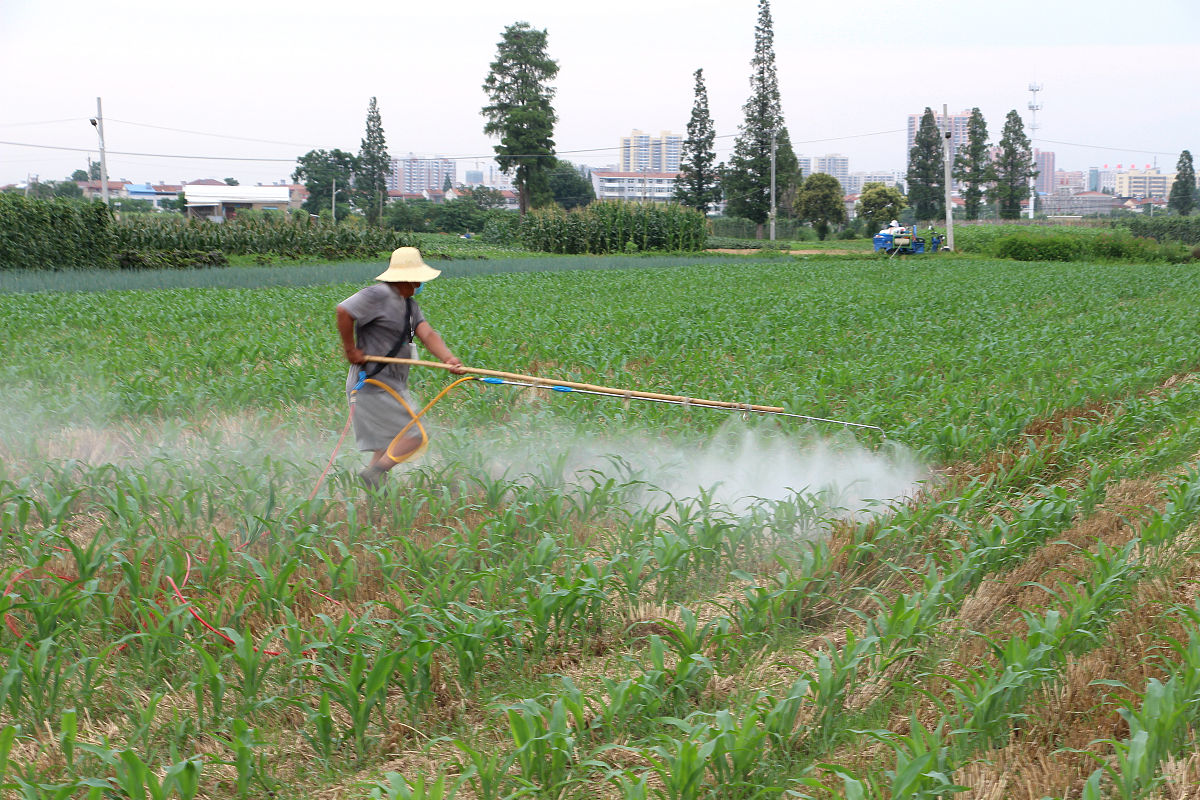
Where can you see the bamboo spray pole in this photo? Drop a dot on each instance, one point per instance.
(545, 383)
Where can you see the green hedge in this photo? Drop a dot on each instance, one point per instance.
(1167, 229)
(614, 226)
(1066, 243)
(54, 234)
(1026, 247)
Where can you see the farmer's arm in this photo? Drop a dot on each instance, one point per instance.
(345, 326)
(434, 344)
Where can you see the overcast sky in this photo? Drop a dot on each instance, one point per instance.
(286, 76)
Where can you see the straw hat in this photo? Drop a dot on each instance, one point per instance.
(406, 266)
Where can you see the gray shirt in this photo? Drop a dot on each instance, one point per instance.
(378, 322)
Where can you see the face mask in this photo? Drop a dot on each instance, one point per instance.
(418, 291)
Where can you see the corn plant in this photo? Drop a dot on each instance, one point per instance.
(545, 745)
(396, 787)
(923, 764)
(360, 691)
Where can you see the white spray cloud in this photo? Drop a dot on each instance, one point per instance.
(742, 465)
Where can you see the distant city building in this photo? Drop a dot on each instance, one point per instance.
(1144, 183)
(1043, 161)
(805, 165)
(641, 151)
(1083, 204)
(834, 164)
(658, 187)
(474, 177)
(855, 181)
(958, 131)
(1102, 180)
(1069, 181)
(413, 174)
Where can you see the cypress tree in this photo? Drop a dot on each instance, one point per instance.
(926, 171)
(374, 163)
(746, 181)
(973, 166)
(1183, 190)
(520, 112)
(1014, 168)
(697, 186)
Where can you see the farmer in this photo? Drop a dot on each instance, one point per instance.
(381, 320)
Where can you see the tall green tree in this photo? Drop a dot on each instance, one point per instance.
(569, 187)
(320, 171)
(879, 204)
(520, 111)
(926, 170)
(973, 166)
(1014, 168)
(231, 181)
(79, 175)
(746, 180)
(1183, 190)
(698, 185)
(820, 201)
(374, 163)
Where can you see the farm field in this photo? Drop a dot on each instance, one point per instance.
(578, 597)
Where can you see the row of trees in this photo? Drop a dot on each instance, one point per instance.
(763, 159)
(1003, 179)
(345, 181)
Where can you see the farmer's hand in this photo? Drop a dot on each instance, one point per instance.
(456, 366)
(355, 355)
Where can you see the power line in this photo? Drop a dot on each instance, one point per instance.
(150, 155)
(1101, 147)
(201, 133)
(43, 122)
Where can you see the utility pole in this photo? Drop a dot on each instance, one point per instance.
(98, 122)
(333, 201)
(772, 214)
(947, 159)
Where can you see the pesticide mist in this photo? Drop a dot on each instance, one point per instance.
(744, 465)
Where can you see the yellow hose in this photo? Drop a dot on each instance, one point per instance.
(415, 417)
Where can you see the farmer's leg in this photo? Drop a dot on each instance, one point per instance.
(401, 450)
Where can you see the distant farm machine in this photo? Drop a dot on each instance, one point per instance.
(904, 241)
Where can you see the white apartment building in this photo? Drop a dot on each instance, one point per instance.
(855, 181)
(834, 164)
(414, 174)
(643, 185)
(805, 165)
(1144, 183)
(641, 151)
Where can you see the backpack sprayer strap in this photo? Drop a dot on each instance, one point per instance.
(406, 337)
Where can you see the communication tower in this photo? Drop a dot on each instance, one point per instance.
(1034, 107)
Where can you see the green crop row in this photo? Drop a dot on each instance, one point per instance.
(614, 227)
(59, 235)
(54, 234)
(284, 237)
